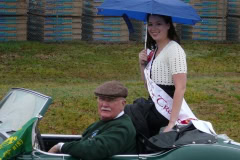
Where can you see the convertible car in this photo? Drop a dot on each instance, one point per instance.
(20, 105)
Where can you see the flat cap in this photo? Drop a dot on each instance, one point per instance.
(112, 89)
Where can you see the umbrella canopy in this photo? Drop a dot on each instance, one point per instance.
(138, 9)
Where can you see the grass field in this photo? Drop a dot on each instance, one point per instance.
(69, 72)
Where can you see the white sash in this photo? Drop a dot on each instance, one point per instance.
(163, 103)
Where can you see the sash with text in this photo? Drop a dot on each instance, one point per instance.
(163, 103)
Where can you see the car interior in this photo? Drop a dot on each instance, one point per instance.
(47, 141)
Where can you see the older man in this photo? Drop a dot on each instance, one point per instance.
(113, 134)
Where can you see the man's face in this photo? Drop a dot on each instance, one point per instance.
(109, 108)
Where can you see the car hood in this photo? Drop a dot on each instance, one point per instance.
(19, 106)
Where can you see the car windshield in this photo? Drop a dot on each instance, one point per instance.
(18, 107)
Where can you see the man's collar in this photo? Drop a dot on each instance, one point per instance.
(119, 115)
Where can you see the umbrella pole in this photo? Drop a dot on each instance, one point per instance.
(145, 41)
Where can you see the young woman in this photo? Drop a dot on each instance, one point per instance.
(168, 68)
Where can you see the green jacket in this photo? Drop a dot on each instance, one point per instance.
(104, 139)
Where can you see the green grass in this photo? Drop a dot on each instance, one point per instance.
(69, 72)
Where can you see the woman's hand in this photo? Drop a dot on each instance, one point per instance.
(169, 127)
(143, 57)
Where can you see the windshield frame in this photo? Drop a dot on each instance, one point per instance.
(41, 103)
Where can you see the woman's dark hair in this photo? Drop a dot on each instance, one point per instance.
(172, 34)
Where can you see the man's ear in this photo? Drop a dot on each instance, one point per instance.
(124, 102)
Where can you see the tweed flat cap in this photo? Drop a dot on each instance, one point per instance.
(112, 89)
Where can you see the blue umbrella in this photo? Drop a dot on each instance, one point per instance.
(138, 9)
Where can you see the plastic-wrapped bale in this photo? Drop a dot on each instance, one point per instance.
(13, 7)
(208, 29)
(54, 29)
(56, 8)
(109, 29)
(233, 29)
(234, 7)
(209, 8)
(13, 28)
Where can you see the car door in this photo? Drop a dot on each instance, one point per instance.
(18, 107)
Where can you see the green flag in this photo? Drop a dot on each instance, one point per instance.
(19, 142)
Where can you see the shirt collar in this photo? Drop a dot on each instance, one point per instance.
(119, 115)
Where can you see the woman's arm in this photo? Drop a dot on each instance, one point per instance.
(180, 81)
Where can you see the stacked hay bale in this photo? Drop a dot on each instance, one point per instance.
(102, 28)
(87, 20)
(55, 20)
(13, 20)
(213, 25)
(233, 20)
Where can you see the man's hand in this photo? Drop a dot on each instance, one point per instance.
(55, 149)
